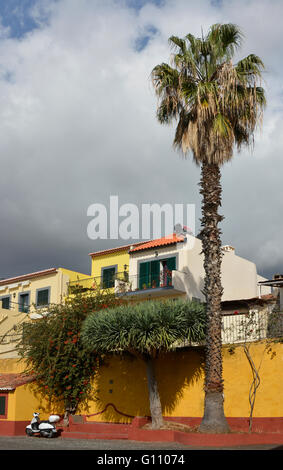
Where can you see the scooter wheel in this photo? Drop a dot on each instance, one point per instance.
(47, 434)
(29, 432)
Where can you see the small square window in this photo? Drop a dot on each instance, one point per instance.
(5, 302)
(42, 297)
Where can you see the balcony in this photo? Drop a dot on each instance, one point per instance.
(153, 285)
(124, 284)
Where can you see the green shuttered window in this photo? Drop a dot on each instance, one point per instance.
(156, 273)
(108, 278)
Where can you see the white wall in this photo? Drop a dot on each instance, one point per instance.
(239, 276)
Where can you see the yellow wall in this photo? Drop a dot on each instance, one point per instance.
(73, 275)
(11, 366)
(122, 382)
(180, 376)
(56, 281)
(120, 258)
(58, 284)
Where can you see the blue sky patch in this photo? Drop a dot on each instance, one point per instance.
(138, 4)
(142, 40)
(16, 15)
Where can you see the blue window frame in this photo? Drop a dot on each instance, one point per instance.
(24, 301)
(108, 276)
(42, 297)
(6, 302)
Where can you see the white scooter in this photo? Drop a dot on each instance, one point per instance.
(43, 428)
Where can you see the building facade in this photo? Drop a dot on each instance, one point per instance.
(169, 266)
(22, 299)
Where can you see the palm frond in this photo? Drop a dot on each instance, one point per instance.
(250, 68)
(177, 43)
(216, 104)
(224, 39)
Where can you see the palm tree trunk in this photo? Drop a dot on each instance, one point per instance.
(154, 398)
(214, 419)
(69, 410)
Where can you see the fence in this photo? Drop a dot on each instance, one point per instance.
(254, 325)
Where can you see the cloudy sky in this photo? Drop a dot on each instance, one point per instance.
(77, 124)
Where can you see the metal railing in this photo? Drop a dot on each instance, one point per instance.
(121, 282)
(254, 325)
(93, 283)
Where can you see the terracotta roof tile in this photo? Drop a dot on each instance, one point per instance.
(159, 242)
(12, 381)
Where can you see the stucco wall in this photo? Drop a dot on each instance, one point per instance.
(122, 382)
(111, 259)
(58, 285)
(239, 276)
(180, 376)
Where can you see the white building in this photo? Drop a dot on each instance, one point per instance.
(174, 266)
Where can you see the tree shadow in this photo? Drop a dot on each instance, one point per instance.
(43, 404)
(186, 282)
(121, 393)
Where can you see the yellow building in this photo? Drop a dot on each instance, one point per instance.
(22, 297)
(107, 266)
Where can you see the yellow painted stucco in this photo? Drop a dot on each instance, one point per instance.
(122, 382)
(118, 259)
(180, 377)
(57, 282)
(11, 366)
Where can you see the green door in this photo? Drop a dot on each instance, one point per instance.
(171, 264)
(155, 273)
(144, 275)
(149, 274)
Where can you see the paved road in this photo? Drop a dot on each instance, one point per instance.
(37, 443)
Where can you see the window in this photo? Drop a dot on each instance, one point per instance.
(156, 273)
(24, 302)
(42, 297)
(3, 405)
(149, 274)
(108, 277)
(5, 302)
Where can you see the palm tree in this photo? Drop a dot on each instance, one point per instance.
(217, 106)
(145, 330)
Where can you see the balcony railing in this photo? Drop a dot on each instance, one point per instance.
(122, 282)
(92, 283)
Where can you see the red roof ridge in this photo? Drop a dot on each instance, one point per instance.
(166, 240)
(27, 276)
(163, 241)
